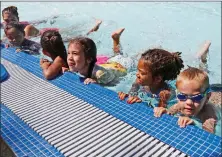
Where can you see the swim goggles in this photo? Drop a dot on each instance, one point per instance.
(194, 98)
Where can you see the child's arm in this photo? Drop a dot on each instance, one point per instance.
(51, 70)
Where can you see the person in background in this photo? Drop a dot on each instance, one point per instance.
(53, 47)
(16, 37)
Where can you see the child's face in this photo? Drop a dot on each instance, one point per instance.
(15, 36)
(144, 75)
(9, 17)
(191, 88)
(76, 58)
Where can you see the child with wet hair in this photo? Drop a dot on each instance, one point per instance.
(155, 67)
(10, 14)
(16, 37)
(193, 94)
(82, 58)
(53, 47)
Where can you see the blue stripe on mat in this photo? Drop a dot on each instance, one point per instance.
(190, 140)
(22, 139)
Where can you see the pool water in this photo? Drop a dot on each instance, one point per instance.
(175, 26)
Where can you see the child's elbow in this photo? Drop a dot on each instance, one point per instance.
(48, 75)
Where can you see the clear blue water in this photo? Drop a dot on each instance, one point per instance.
(176, 26)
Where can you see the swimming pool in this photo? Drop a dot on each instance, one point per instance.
(176, 26)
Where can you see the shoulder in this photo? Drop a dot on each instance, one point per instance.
(208, 111)
(215, 98)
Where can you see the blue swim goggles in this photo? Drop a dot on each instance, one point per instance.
(194, 98)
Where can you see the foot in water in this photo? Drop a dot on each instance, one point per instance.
(116, 34)
(202, 53)
(96, 27)
(116, 37)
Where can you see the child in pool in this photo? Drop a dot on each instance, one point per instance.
(193, 93)
(10, 14)
(53, 47)
(82, 53)
(155, 67)
(16, 36)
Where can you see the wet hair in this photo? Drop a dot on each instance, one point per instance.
(51, 41)
(192, 73)
(12, 9)
(17, 26)
(163, 63)
(90, 51)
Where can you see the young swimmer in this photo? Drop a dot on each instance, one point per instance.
(53, 47)
(82, 58)
(193, 93)
(16, 36)
(155, 67)
(10, 14)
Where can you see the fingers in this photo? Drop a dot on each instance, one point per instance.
(89, 80)
(181, 122)
(64, 69)
(122, 95)
(133, 99)
(18, 50)
(184, 121)
(158, 111)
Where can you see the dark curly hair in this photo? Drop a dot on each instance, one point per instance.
(12, 9)
(90, 51)
(17, 26)
(163, 63)
(52, 42)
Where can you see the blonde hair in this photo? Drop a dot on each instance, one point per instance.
(196, 74)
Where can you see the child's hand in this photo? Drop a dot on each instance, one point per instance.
(158, 111)
(122, 95)
(133, 99)
(209, 125)
(89, 80)
(18, 50)
(44, 63)
(6, 45)
(64, 69)
(184, 121)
